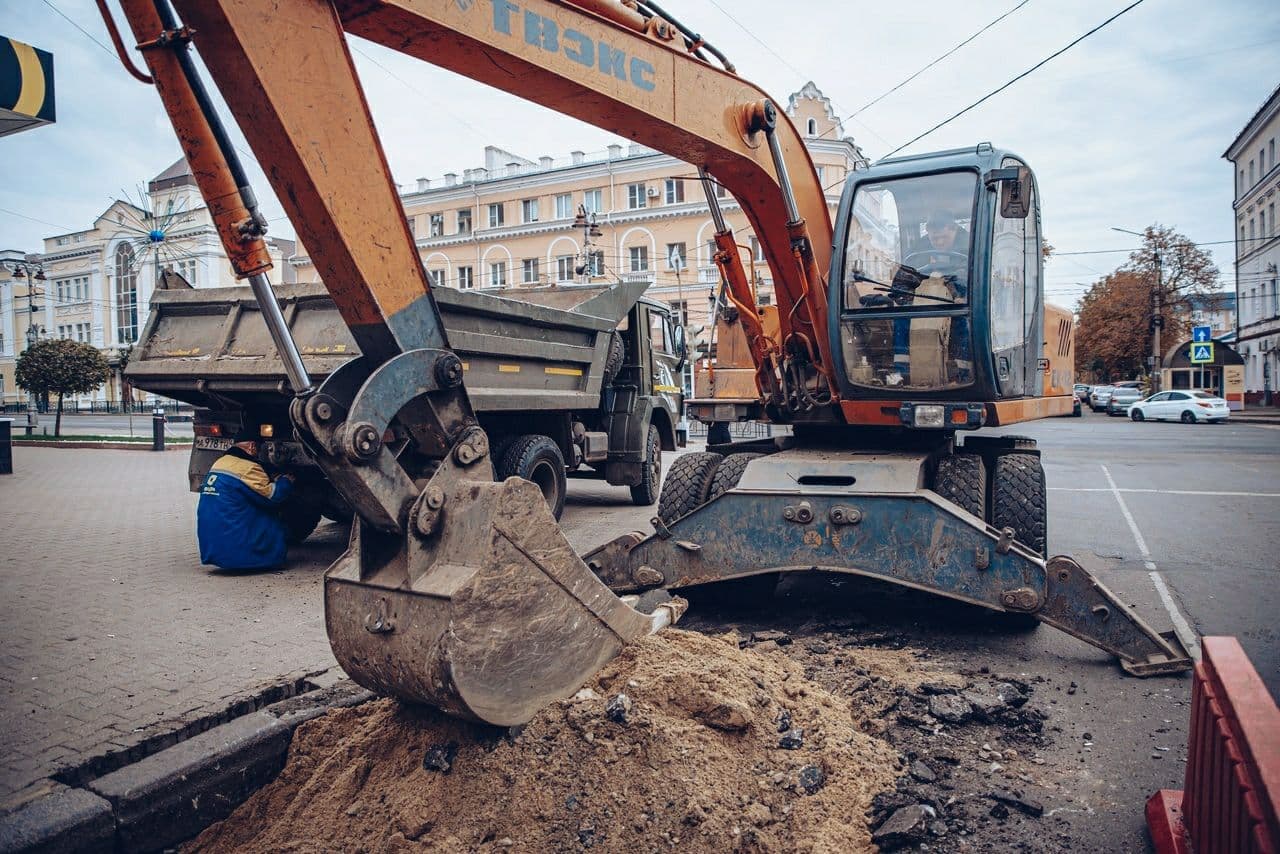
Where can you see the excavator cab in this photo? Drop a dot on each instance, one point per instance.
(940, 271)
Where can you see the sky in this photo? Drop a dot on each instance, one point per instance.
(1124, 130)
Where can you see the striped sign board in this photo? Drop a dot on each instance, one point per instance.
(26, 86)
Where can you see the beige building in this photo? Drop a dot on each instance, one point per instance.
(98, 282)
(1257, 197)
(511, 222)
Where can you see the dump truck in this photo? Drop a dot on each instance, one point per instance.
(899, 330)
(577, 380)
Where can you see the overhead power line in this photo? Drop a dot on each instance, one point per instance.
(926, 67)
(88, 34)
(1000, 89)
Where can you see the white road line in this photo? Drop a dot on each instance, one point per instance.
(1165, 491)
(1263, 426)
(1180, 625)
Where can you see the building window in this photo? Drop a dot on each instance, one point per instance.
(529, 271)
(126, 296)
(1250, 232)
(464, 221)
(437, 224)
(564, 268)
(822, 175)
(498, 274)
(635, 196)
(721, 191)
(1271, 216)
(813, 127)
(435, 278)
(639, 258)
(495, 215)
(675, 191)
(595, 264)
(413, 225)
(677, 256)
(593, 201)
(564, 206)
(529, 210)
(465, 279)
(1250, 173)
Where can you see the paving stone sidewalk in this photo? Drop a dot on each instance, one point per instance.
(111, 631)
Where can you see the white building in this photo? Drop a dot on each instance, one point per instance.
(1257, 196)
(98, 282)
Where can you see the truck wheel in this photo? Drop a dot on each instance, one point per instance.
(686, 485)
(299, 521)
(537, 459)
(613, 361)
(1018, 500)
(962, 480)
(645, 492)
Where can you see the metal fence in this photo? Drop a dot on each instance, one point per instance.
(742, 430)
(103, 407)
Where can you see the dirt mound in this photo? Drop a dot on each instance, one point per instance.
(684, 741)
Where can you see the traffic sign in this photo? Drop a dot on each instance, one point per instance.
(1201, 353)
(1201, 334)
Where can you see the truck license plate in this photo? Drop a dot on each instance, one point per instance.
(210, 443)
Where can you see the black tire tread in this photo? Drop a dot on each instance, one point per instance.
(728, 473)
(962, 480)
(686, 484)
(1019, 501)
(519, 452)
(645, 492)
(613, 361)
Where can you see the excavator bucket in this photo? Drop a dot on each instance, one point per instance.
(489, 615)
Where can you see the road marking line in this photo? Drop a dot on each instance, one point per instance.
(1180, 625)
(1165, 491)
(1263, 426)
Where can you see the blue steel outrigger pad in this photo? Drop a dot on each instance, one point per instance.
(870, 515)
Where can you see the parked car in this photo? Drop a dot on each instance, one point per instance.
(1081, 392)
(1122, 397)
(1098, 396)
(1185, 406)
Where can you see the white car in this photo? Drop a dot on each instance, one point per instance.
(1185, 406)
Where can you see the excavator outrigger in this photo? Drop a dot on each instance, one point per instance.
(463, 593)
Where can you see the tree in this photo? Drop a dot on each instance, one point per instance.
(61, 367)
(1115, 329)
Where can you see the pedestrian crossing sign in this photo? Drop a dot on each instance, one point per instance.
(1201, 353)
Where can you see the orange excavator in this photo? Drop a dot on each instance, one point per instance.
(899, 330)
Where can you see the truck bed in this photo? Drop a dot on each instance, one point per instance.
(522, 348)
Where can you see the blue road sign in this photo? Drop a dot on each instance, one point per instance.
(1201, 353)
(1201, 334)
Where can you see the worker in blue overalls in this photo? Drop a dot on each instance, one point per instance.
(238, 523)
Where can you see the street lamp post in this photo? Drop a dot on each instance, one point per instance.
(1157, 311)
(32, 273)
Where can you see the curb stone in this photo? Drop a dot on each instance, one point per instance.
(171, 796)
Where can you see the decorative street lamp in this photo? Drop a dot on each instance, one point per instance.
(32, 272)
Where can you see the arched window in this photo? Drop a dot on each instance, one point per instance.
(813, 127)
(126, 296)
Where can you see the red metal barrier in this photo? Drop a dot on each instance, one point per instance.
(1231, 797)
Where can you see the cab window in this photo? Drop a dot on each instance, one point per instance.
(659, 341)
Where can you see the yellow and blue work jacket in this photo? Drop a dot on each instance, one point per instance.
(236, 521)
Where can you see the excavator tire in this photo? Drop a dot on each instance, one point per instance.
(962, 480)
(738, 591)
(1018, 501)
(686, 485)
(728, 473)
(645, 492)
(537, 459)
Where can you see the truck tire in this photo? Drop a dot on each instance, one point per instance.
(728, 473)
(645, 492)
(299, 521)
(613, 361)
(962, 480)
(686, 485)
(537, 459)
(1018, 500)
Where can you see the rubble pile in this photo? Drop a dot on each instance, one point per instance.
(685, 741)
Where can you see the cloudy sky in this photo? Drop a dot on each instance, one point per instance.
(1125, 129)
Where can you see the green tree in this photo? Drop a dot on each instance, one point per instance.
(1114, 333)
(61, 367)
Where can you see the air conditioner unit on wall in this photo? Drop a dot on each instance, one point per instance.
(652, 192)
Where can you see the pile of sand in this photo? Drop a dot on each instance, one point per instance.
(693, 758)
